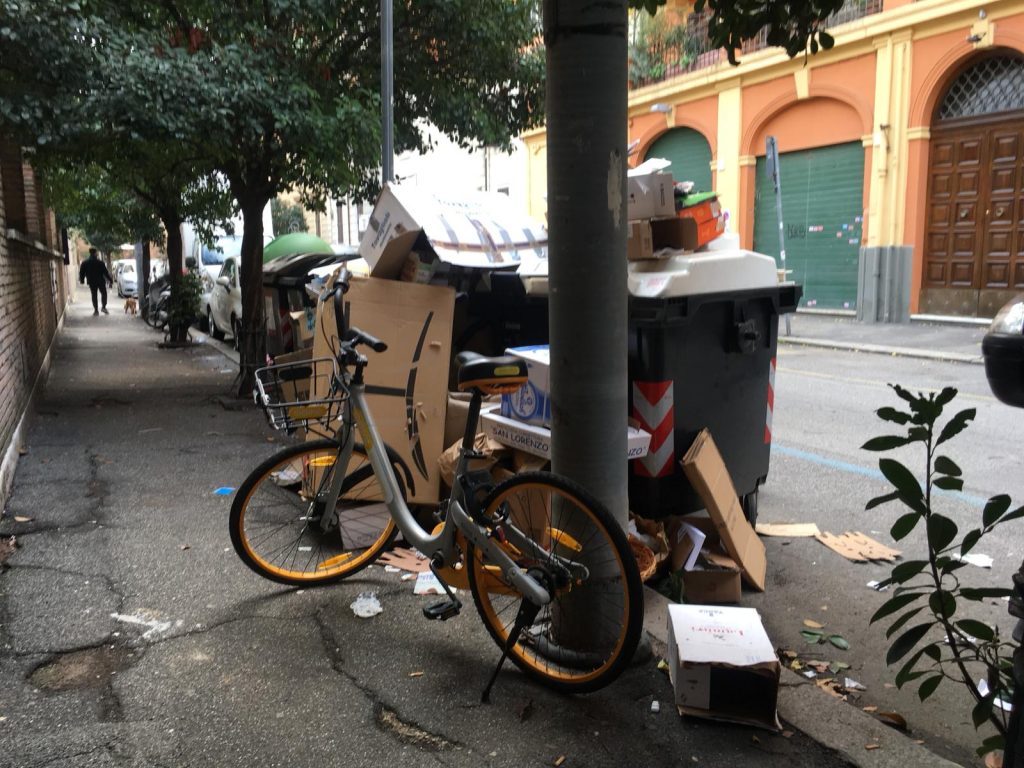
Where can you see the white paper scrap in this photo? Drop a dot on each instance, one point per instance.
(981, 561)
(983, 689)
(427, 584)
(697, 536)
(366, 605)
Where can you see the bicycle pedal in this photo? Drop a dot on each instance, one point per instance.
(443, 610)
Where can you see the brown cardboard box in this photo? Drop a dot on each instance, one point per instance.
(301, 328)
(707, 474)
(639, 246)
(713, 580)
(406, 385)
(675, 233)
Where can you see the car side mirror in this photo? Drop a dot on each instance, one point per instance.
(224, 281)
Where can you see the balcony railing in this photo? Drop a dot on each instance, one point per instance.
(660, 52)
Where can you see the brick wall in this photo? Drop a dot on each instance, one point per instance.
(34, 291)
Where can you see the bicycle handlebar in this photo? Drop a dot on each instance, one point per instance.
(351, 336)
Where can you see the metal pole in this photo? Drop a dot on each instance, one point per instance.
(587, 190)
(1013, 757)
(387, 91)
(772, 163)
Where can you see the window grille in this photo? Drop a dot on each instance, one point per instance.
(992, 85)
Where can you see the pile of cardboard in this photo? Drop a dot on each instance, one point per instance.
(664, 218)
(712, 554)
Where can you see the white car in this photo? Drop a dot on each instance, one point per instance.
(224, 305)
(124, 277)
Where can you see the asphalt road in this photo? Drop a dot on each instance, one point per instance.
(824, 411)
(131, 634)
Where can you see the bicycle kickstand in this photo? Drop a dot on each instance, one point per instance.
(524, 618)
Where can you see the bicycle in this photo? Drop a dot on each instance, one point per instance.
(551, 573)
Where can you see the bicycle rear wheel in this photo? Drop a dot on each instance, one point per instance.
(281, 529)
(583, 639)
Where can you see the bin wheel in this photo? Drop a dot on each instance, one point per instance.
(750, 506)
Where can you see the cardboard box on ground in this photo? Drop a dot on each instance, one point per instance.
(722, 665)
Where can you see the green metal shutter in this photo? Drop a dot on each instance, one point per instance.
(822, 209)
(690, 154)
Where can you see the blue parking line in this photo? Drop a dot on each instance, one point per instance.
(874, 474)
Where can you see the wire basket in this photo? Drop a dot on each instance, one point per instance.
(287, 393)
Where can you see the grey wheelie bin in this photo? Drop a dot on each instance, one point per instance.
(703, 330)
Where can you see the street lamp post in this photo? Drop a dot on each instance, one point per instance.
(387, 89)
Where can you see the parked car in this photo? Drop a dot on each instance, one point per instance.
(124, 277)
(209, 261)
(224, 302)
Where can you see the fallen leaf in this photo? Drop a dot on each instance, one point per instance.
(787, 734)
(839, 642)
(23, 519)
(889, 685)
(919, 741)
(415, 674)
(186, 546)
(994, 760)
(788, 654)
(837, 666)
(663, 666)
(893, 719)
(22, 450)
(755, 739)
(559, 760)
(872, 746)
(813, 624)
(811, 636)
(7, 547)
(871, 708)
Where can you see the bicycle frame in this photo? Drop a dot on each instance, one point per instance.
(442, 545)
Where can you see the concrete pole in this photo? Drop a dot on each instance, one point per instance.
(586, 129)
(387, 90)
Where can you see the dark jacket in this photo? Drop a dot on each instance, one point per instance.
(94, 271)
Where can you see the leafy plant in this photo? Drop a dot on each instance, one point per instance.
(657, 47)
(929, 594)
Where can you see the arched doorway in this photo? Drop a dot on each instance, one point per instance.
(690, 154)
(974, 241)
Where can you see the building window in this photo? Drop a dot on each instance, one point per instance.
(994, 84)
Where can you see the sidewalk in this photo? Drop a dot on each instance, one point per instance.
(928, 340)
(130, 633)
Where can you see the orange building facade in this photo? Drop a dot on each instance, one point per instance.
(902, 151)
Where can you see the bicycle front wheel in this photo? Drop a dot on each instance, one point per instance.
(586, 635)
(280, 526)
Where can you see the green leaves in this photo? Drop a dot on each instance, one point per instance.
(956, 425)
(994, 509)
(947, 466)
(904, 525)
(894, 604)
(928, 686)
(884, 443)
(977, 629)
(891, 414)
(839, 642)
(942, 603)
(941, 532)
(906, 642)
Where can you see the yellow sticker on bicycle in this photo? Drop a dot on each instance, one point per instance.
(357, 414)
(322, 461)
(506, 370)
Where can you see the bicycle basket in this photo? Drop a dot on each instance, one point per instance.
(288, 393)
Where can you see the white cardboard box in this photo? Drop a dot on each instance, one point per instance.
(651, 195)
(471, 230)
(531, 403)
(537, 440)
(722, 664)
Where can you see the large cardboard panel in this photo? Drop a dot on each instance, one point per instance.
(407, 384)
(708, 475)
(722, 664)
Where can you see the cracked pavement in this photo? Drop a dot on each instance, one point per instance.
(131, 634)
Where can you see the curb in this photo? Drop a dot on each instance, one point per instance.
(829, 721)
(878, 349)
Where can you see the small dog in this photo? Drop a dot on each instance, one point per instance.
(131, 306)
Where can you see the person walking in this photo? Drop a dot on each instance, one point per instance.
(96, 274)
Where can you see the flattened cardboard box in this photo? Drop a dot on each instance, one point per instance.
(708, 475)
(406, 385)
(722, 665)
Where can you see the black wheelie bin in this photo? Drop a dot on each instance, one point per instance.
(703, 331)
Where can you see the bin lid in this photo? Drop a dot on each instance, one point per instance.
(689, 274)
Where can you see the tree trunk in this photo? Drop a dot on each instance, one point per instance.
(252, 341)
(586, 122)
(176, 334)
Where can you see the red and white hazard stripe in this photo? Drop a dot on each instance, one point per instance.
(771, 403)
(653, 408)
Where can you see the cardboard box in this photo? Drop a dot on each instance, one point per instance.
(303, 323)
(707, 218)
(675, 233)
(537, 440)
(472, 230)
(707, 474)
(722, 665)
(406, 385)
(651, 195)
(713, 579)
(639, 245)
(531, 403)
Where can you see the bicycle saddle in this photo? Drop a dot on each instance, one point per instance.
(490, 375)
